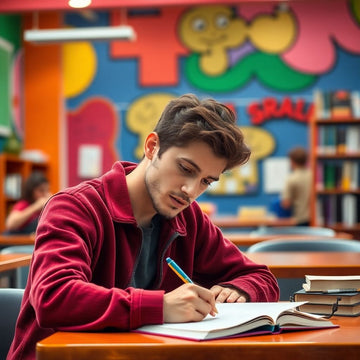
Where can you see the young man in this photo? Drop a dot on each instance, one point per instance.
(99, 260)
(296, 193)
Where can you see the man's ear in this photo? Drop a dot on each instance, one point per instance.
(151, 145)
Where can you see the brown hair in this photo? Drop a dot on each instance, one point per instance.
(35, 179)
(187, 119)
(299, 156)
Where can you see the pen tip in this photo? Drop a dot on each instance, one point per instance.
(168, 259)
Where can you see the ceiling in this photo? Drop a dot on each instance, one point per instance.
(20, 6)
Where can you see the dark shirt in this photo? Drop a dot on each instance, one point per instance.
(145, 269)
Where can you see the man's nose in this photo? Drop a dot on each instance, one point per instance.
(191, 189)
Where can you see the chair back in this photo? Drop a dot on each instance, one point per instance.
(293, 230)
(10, 301)
(18, 249)
(326, 244)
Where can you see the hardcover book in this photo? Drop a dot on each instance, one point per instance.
(327, 309)
(345, 298)
(325, 283)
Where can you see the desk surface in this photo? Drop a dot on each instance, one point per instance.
(297, 264)
(9, 240)
(13, 261)
(310, 345)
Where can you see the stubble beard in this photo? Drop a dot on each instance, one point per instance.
(152, 189)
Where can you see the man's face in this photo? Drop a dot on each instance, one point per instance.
(176, 179)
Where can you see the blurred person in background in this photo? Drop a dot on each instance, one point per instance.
(23, 217)
(296, 193)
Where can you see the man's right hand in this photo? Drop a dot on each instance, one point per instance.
(188, 302)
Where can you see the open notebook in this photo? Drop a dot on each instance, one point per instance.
(243, 319)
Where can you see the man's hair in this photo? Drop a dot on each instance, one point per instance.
(299, 156)
(35, 179)
(188, 119)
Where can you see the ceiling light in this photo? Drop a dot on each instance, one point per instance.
(122, 32)
(79, 4)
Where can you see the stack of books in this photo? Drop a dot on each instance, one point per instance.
(321, 293)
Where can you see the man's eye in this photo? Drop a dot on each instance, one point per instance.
(185, 169)
(207, 182)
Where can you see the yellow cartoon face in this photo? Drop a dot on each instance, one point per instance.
(210, 31)
(260, 141)
(202, 28)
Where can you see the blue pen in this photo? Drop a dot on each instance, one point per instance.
(178, 271)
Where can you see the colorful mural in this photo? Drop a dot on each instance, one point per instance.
(255, 49)
(264, 59)
(284, 47)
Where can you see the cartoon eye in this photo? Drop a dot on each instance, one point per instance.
(222, 21)
(198, 24)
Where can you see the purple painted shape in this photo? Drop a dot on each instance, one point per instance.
(238, 53)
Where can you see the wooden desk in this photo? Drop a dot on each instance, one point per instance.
(9, 263)
(298, 264)
(13, 261)
(11, 240)
(235, 222)
(329, 344)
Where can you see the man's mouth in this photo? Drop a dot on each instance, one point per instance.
(179, 201)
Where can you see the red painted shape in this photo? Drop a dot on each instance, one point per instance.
(158, 60)
(93, 123)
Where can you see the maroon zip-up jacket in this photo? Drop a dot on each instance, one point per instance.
(86, 245)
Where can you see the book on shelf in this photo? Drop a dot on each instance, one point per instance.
(349, 210)
(331, 283)
(341, 175)
(341, 104)
(355, 104)
(341, 139)
(338, 139)
(337, 104)
(352, 139)
(243, 319)
(12, 185)
(340, 208)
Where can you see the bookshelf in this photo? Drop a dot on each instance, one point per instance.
(13, 171)
(335, 163)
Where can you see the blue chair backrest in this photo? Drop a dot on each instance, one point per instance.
(326, 244)
(10, 301)
(294, 230)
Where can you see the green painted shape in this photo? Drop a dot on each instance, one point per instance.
(268, 69)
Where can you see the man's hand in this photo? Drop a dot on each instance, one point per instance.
(228, 294)
(188, 302)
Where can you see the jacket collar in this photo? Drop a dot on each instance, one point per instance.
(118, 199)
